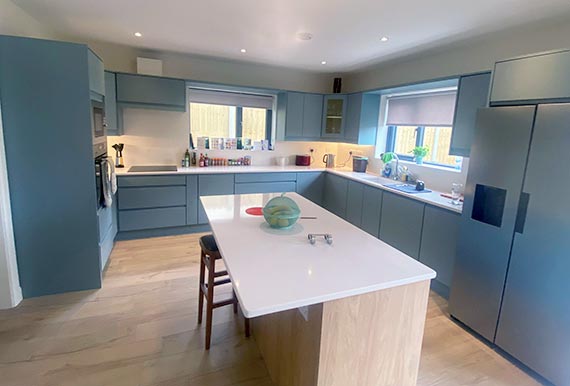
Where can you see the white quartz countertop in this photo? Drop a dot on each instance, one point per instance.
(433, 198)
(275, 270)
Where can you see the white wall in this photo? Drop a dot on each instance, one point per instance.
(123, 58)
(473, 56)
(15, 21)
(154, 137)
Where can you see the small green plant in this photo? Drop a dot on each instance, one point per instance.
(387, 157)
(420, 151)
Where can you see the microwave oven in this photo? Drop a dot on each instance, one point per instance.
(98, 122)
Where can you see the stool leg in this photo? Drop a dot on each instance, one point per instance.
(247, 331)
(200, 284)
(210, 301)
(235, 302)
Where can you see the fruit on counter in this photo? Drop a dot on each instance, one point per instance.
(281, 212)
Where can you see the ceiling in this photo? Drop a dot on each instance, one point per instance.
(346, 33)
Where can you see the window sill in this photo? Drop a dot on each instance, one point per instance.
(429, 166)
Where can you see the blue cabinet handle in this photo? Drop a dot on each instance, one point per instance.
(521, 214)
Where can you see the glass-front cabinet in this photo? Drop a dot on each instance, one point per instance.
(334, 113)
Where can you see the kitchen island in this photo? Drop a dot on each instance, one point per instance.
(350, 313)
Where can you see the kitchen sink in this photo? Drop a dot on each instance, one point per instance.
(153, 168)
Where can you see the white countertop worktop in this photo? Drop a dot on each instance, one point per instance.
(433, 198)
(275, 270)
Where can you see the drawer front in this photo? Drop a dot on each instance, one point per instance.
(152, 218)
(265, 177)
(152, 197)
(134, 181)
(105, 218)
(266, 187)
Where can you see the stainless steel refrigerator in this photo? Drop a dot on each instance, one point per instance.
(512, 275)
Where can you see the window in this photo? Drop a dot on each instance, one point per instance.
(422, 119)
(220, 114)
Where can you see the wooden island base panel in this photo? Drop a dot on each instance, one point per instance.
(373, 339)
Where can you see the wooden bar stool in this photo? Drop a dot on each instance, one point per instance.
(209, 255)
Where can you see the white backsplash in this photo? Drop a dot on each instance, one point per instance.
(154, 137)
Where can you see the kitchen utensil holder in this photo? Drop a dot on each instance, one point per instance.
(313, 237)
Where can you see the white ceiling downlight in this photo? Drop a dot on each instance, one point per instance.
(306, 36)
(384, 39)
(323, 62)
(243, 50)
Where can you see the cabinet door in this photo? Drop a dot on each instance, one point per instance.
(354, 103)
(439, 242)
(401, 223)
(472, 95)
(371, 210)
(334, 114)
(191, 200)
(311, 185)
(151, 91)
(211, 185)
(265, 187)
(534, 325)
(354, 203)
(312, 116)
(532, 78)
(336, 191)
(96, 73)
(294, 115)
(111, 103)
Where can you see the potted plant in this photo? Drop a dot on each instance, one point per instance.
(419, 153)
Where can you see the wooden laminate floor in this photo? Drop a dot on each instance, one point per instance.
(140, 329)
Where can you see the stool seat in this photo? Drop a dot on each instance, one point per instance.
(208, 243)
(208, 256)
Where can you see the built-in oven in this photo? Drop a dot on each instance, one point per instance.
(98, 122)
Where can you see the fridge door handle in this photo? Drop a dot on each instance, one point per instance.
(521, 214)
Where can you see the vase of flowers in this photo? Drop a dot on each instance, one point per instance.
(419, 153)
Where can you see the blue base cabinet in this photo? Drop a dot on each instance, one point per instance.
(355, 193)
(401, 224)
(371, 210)
(265, 183)
(191, 200)
(311, 185)
(336, 193)
(211, 185)
(439, 242)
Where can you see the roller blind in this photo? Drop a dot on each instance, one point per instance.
(230, 99)
(433, 109)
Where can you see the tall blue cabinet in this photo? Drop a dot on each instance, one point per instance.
(45, 100)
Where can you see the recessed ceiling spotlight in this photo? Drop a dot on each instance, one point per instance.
(324, 62)
(138, 34)
(384, 39)
(243, 50)
(304, 36)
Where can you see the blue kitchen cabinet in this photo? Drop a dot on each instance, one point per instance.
(311, 186)
(134, 220)
(265, 183)
(211, 185)
(140, 181)
(362, 113)
(371, 210)
(401, 223)
(299, 116)
(151, 92)
(191, 200)
(96, 71)
(336, 192)
(108, 228)
(472, 94)
(334, 116)
(152, 197)
(439, 243)
(355, 193)
(111, 104)
(45, 103)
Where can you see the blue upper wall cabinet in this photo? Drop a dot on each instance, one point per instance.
(472, 94)
(362, 114)
(96, 73)
(45, 97)
(299, 116)
(537, 78)
(111, 104)
(151, 92)
(334, 116)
